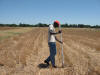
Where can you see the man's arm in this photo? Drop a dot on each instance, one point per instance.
(54, 33)
(58, 40)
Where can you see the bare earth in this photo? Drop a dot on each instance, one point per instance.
(22, 54)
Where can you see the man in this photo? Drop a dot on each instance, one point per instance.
(52, 43)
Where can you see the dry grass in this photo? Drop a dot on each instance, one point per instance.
(21, 54)
(6, 32)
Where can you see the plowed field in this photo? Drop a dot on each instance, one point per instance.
(21, 54)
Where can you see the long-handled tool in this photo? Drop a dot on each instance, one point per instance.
(61, 47)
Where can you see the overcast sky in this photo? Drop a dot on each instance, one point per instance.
(46, 11)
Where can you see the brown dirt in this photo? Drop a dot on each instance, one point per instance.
(21, 55)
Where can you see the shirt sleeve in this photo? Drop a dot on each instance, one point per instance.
(51, 29)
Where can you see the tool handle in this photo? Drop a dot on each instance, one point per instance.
(62, 48)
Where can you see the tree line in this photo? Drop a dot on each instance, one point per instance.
(80, 26)
(46, 25)
(24, 25)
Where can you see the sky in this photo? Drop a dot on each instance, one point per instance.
(46, 11)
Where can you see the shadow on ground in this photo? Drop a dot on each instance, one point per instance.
(1, 64)
(42, 65)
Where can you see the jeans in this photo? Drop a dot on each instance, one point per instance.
(52, 48)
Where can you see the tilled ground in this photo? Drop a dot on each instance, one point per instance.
(23, 54)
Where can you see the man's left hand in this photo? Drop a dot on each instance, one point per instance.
(61, 42)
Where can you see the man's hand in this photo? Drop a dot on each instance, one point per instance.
(61, 42)
(59, 31)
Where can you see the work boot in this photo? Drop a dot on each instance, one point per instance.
(54, 66)
(46, 62)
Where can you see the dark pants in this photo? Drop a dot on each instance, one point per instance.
(52, 48)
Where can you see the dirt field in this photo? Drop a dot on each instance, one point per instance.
(22, 54)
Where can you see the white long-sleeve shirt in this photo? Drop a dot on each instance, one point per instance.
(51, 38)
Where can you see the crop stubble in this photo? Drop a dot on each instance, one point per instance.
(21, 55)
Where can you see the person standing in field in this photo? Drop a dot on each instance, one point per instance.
(52, 42)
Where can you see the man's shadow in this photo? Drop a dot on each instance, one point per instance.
(43, 65)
